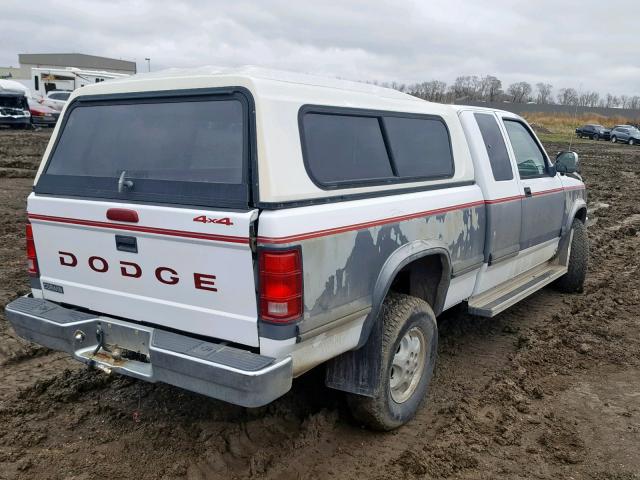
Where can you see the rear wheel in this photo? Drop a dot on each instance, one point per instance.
(573, 280)
(408, 356)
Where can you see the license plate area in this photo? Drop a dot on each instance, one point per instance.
(110, 345)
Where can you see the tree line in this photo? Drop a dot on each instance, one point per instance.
(488, 88)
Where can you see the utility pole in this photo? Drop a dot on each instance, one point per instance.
(148, 64)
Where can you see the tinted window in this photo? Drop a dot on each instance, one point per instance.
(341, 148)
(185, 150)
(529, 157)
(187, 141)
(60, 95)
(420, 147)
(496, 149)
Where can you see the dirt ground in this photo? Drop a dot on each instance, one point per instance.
(549, 389)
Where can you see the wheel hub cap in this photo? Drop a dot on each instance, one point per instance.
(407, 366)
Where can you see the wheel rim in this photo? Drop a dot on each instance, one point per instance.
(407, 365)
(613, 139)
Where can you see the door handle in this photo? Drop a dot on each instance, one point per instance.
(527, 191)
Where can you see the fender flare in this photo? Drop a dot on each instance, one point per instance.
(578, 205)
(400, 258)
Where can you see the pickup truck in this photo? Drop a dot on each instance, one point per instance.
(226, 231)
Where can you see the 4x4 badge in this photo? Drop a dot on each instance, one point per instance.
(222, 221)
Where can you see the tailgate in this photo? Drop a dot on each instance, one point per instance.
(188, 269)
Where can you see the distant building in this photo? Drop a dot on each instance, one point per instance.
(43, 72)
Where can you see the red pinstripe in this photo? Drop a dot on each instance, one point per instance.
(385, 221)
(138, 228)
(290, 238)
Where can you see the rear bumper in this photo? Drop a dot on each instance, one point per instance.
(46, 121)
(213, 369)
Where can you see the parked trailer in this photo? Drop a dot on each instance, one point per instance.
(44, 80)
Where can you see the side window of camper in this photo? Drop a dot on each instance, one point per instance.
(420, 147)
(343, 149)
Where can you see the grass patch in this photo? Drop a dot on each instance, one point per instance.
(562, 127)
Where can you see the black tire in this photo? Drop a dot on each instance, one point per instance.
(401, 314)
(614, 139)
(632, 141)
(579, 135)
(595, 137)
(573, 280)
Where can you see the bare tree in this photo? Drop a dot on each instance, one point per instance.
(624, 101)
(567, 96)
(588, 99)
(433, 91)
(491, 88)
(467, 87)
(544, 96)
(519, 92)
(611, 101)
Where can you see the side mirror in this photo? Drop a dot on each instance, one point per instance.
(567, 162)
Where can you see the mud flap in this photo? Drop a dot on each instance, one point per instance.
(358, 371)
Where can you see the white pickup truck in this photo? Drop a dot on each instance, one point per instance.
(226, 231)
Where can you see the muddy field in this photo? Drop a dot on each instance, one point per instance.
(549, 389)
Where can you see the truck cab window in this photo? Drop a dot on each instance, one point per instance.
(496, 149)
(529, 157)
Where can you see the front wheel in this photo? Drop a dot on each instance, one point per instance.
(408, 357)
(573, 280)
(632, 141)
(596, 137)
(614, 139)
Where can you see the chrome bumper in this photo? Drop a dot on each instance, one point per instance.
(213, 369)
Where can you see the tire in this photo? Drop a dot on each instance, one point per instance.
(632, 141)
(579, 135)
(614, 139)
(573, 280)
(400, 390)
(595, 137)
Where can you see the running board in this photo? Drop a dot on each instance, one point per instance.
(501, 297)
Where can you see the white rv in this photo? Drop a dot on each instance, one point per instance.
(44, 80)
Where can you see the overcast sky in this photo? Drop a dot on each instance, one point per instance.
(590, 44)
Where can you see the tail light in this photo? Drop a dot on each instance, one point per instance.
(32, 258)
(280, 285)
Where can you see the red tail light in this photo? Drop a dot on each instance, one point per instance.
(280, 285)
(32, 259)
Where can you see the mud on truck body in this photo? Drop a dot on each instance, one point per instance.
(227, 231)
